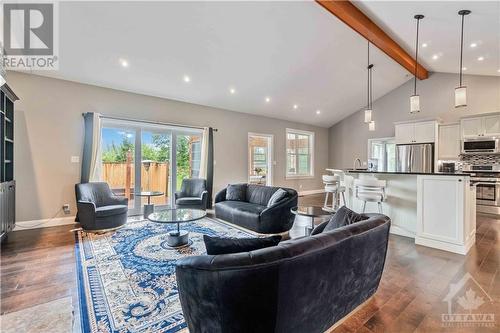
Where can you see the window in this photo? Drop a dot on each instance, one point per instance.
(383, 152)
(299, 153)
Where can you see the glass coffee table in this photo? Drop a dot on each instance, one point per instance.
(177, 237)
(312, 212)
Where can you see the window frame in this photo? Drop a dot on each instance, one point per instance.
(386, 140)
(311, 136)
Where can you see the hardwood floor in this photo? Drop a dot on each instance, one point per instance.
(38, 266)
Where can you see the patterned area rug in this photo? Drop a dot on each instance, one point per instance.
(126, 278)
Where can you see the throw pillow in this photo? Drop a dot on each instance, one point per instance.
(344, 216)
(277, 196)
(236, 192)
(219, 245)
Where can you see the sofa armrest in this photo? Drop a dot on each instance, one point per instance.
(220, 196)
(278, 218)
(286, 204)
(86, 211)
(204, 199)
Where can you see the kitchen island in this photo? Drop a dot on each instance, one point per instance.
(436, 209)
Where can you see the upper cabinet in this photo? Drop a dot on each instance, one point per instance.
(420, 132)
(449, 142)
(480, 126)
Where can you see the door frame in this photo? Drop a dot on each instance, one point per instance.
(270, 156)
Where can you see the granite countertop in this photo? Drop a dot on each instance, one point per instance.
(457, 173)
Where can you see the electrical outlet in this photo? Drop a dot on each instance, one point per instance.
(66, 209)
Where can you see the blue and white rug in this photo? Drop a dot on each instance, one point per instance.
(126, 278)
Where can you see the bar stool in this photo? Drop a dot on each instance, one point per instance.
(370, 189)
(333, 186)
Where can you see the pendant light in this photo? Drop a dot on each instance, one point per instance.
(461, 91)
(368, 110)
(415, 99)
(371, 126)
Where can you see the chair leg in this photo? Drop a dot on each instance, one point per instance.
(364, 206)
(380, 208)
(343, 199)
(326, 200)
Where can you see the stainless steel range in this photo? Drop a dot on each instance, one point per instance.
(487, 181)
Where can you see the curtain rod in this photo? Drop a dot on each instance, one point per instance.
(151, 122)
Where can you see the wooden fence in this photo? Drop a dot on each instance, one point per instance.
(120, 177)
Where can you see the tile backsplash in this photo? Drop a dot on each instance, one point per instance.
(479, 159)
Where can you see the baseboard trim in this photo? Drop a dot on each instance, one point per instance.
(44, 223)
(440, 245)
(309, 192)
(395, 230)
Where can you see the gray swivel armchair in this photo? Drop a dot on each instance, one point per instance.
(98, 208)
(193, 194)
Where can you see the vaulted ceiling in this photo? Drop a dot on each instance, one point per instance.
(237, 54)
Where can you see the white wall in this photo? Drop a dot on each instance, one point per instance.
(49, 130)
(348, 139)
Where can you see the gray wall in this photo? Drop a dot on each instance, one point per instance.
(348, 139)
(49, 130)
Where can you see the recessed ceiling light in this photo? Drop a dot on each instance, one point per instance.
(435, 57)
(124, 63)
(480, 58)
(473, 44)
(464, 68)
(318, 111)
(232, 90)
(424, 45)
(295, 106)
(186, 78)
(268, 99)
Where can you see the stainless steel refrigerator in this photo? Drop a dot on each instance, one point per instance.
(415, 158)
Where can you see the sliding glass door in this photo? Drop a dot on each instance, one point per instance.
(118, 160)
(142, 157)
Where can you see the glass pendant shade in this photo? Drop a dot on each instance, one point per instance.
(368, 116)
(414, 103)
(460, 97)
(371, 126)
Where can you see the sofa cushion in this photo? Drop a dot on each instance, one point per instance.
(220, 245)
(344, 216)
(241, 206)
(260, 195)
(236, 192)
(188, 201)
(277, 196)
(110, 210)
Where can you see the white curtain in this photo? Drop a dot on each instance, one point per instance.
(95, 160)
(204, 153)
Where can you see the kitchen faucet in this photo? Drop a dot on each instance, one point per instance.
(359, 161)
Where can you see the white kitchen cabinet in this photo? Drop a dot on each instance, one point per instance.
(471, 127)
(405, 133)
(480, 126)
(491, 125)
(444, 217)
(449, 142)
(419, 132)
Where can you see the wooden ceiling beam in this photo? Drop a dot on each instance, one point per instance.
(358, 21)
